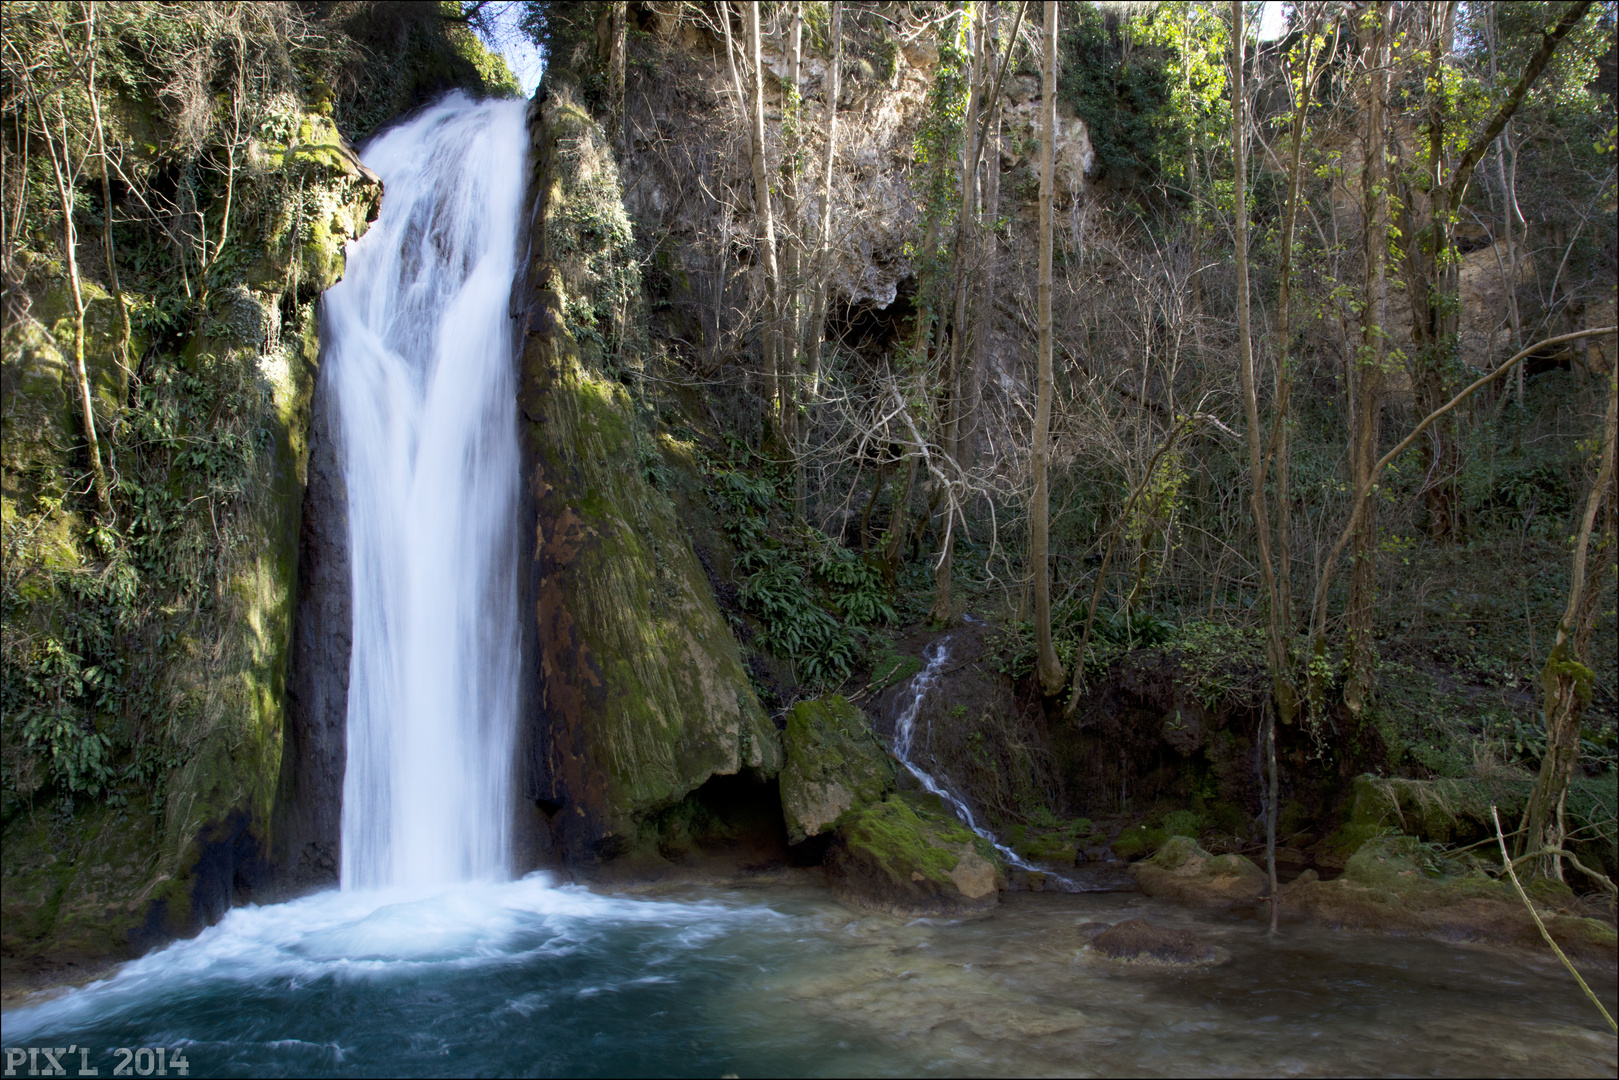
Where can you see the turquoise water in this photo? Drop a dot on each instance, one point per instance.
(530, 979)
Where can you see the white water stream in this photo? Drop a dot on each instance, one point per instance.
(936, 656)
(420, 356)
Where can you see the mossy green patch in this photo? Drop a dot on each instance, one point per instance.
(834, 764)
(905, 836)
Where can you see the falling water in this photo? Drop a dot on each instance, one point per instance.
(936, 656)
(420, 354)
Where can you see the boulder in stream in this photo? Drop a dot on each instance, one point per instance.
(1182, 871)
(908, 858)
(1138, 939)
(834, 764)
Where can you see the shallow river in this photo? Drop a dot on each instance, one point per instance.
(530, 979)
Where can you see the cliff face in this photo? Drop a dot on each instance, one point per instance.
(637, 692)
(102, 879)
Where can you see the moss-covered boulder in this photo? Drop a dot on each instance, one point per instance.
(908, 858)
(834, 764)
(1182, 871)
(638, 693)
(1397, 884)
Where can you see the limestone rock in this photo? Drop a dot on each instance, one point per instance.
(636, 689)
(907, 858)
(834, 764)
(1138, 939)
(1183, 871)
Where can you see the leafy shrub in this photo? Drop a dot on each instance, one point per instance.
(1187, 823)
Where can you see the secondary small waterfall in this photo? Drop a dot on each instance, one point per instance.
(420, 358)
(936, 656)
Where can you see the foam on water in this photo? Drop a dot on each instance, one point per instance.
(382, 936)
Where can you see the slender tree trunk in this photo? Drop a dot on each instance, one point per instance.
(617, 60)
(871, 503)
(1565, 681)
(1433, 293)
(1276, 644)
(894, 549)
(1509, 196)
(1048, 667)
(70, 245)
(823, 261)
(1360, 655)
(792, 336)
(755, 111)
(1284, 361)
(951, 383)
(989, 210)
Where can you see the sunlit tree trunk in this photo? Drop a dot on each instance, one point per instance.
(823, 263)
(60, 170)
(792, 333)
(1048, 668)
(755, 112)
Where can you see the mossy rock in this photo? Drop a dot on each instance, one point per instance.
(1398, 884)
(643, 689)
(834, 764)
(1181, 870)
(909, 859)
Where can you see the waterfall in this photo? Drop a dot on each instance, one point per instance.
(419, 351)
(936, 656)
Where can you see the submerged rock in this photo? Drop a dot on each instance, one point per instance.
(909, 859)
(834, 764)
(1138, 939)
(1396, 884)
(1183, 871)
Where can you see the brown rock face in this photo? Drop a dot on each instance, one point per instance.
(1138, 939)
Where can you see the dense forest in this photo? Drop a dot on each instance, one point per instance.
(1233, 385)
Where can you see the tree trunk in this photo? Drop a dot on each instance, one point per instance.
(823, 261)
(70, 245)
(1360, 656)
(617, 58)
(792, 335)
(1432, 278)
(1565, 681)
(1276, 646)
(1049, 668)
(761, 200)
(894, 548)
(951, 382)
(1284, 369)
